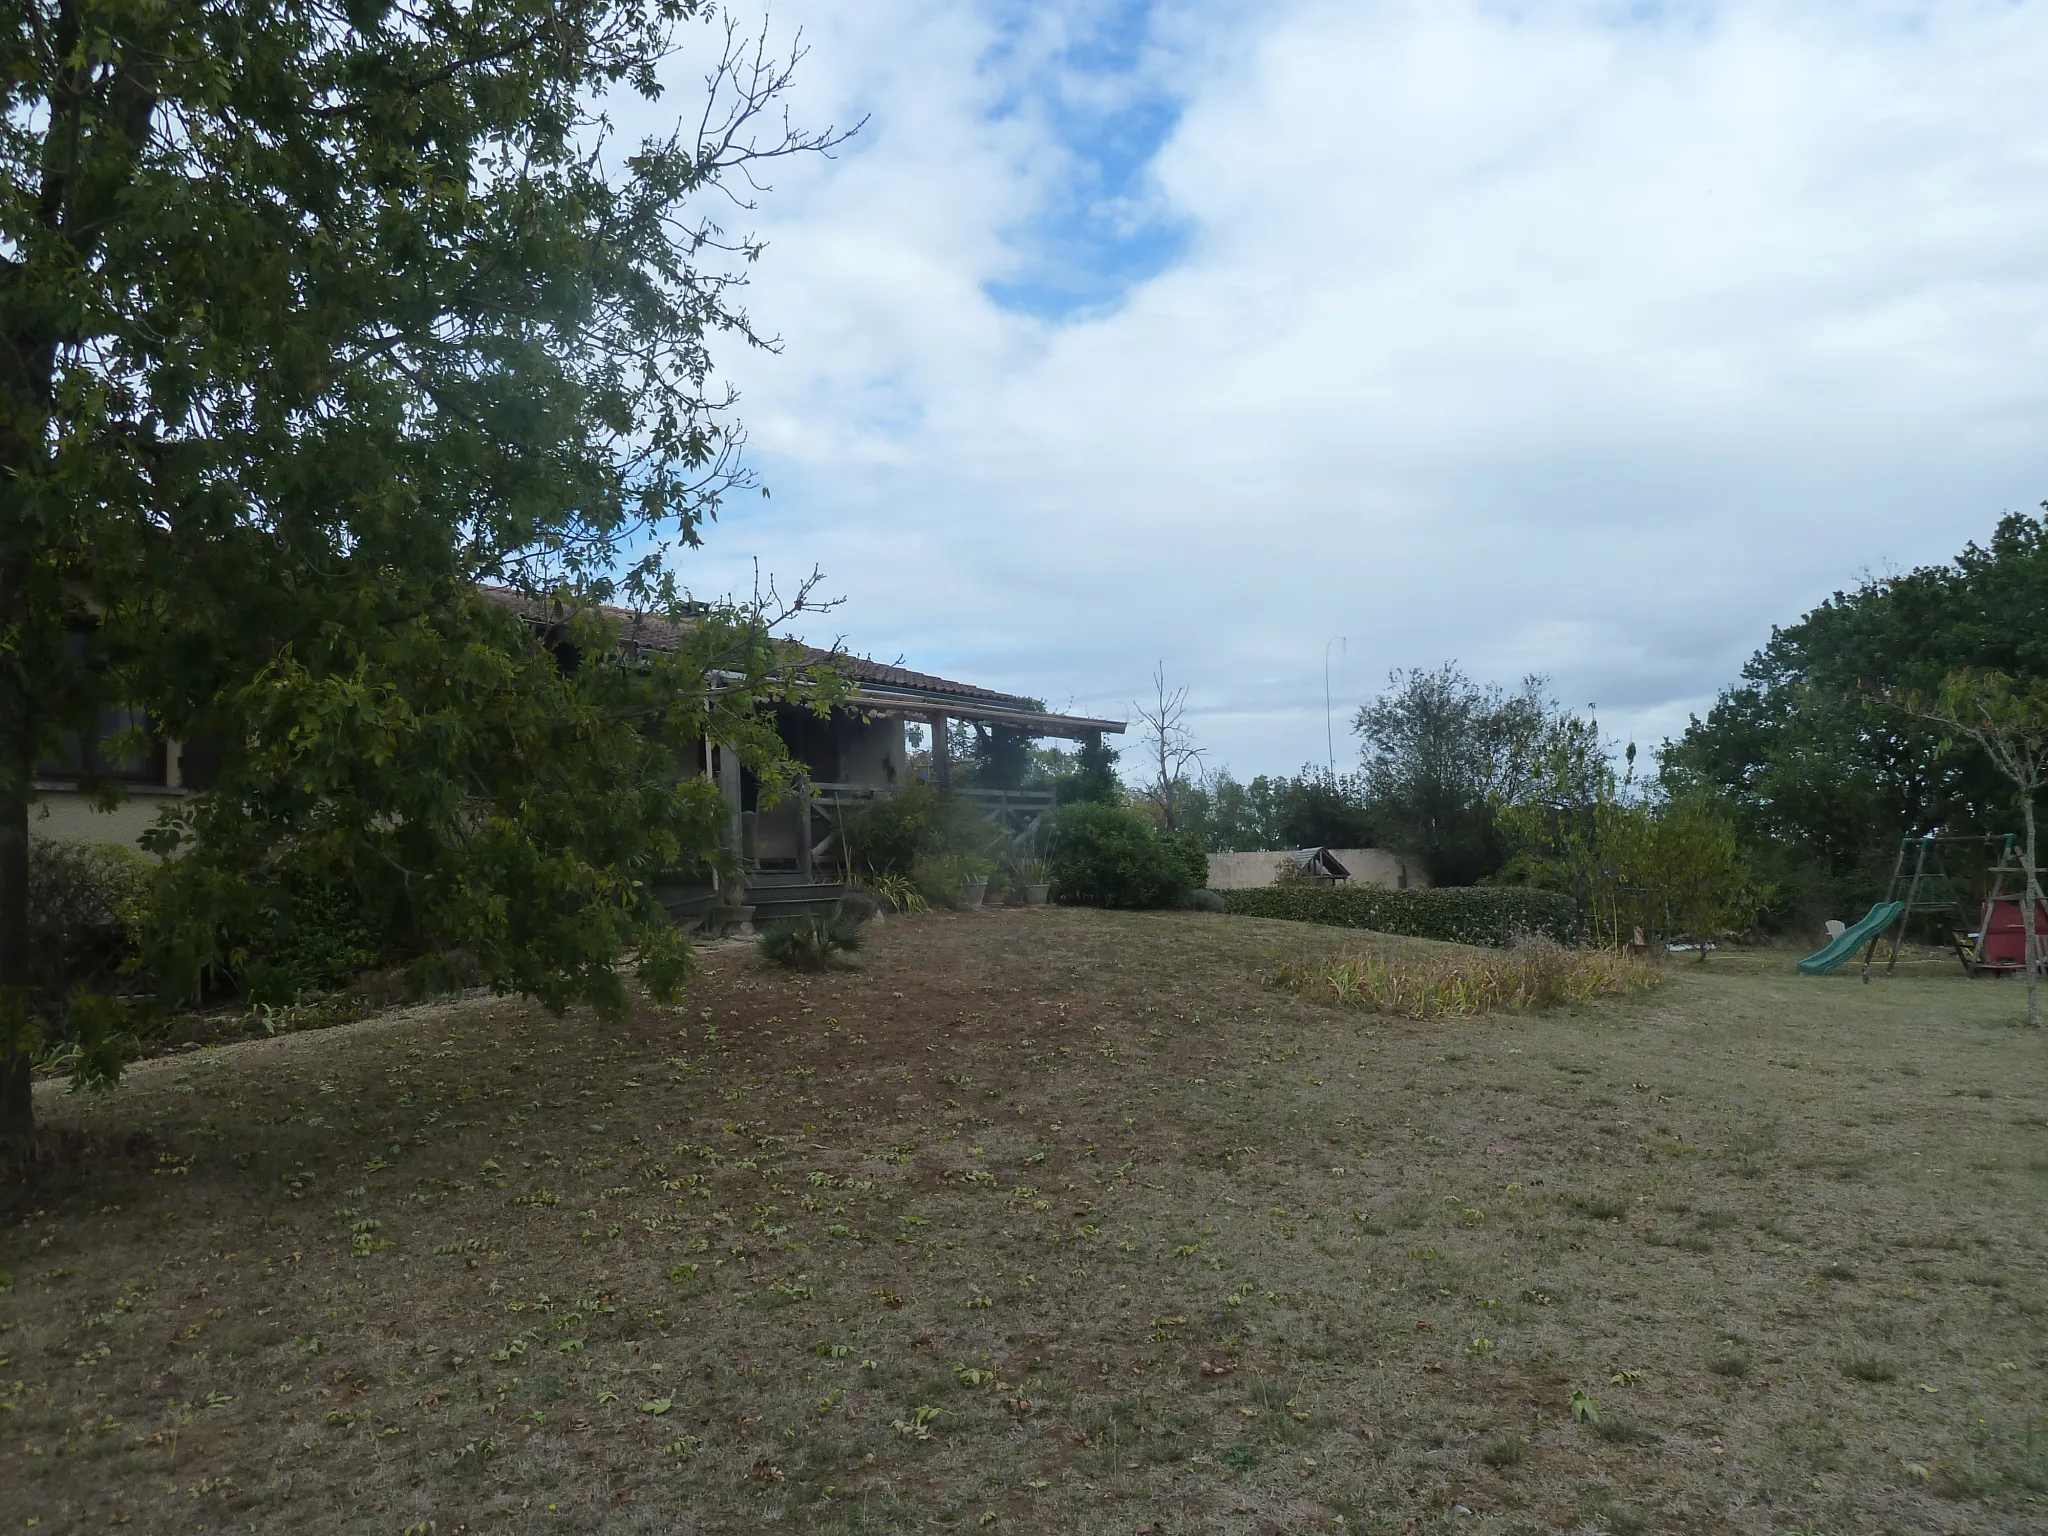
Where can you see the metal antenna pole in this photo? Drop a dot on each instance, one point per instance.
(1329, 736)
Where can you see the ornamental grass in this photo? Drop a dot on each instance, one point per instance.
(1536, 973)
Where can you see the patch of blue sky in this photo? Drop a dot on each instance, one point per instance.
(1081, 70)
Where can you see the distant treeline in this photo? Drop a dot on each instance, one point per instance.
(1784, 805)
(1809, 768)
(1823, 771)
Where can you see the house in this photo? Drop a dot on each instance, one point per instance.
(790, 851)
(163, 771)
(1356, 866)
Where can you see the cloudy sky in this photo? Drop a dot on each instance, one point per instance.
(1588, 339)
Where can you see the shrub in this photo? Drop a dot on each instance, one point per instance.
(811, 943)
(84, 901)
(310, 936)
(896, 833)
(1187, 851)
(292, 932)
(1491, 915)
(892, 834)
(1106, 856)
(1534, 974)
(940, 879)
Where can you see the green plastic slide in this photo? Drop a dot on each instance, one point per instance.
(1875, 921)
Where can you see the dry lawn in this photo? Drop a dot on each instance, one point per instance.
(1055, 1221)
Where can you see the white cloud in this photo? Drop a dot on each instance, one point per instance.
(1579, 339)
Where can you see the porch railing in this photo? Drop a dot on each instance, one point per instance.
(1020, 813)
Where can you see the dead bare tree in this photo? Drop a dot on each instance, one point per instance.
(1171, 745)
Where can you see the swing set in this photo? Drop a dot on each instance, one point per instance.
(1997, 946)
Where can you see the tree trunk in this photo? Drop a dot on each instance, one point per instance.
(2033, 908)
(17, 1104)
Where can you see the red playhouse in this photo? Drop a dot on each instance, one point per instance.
(1999, 946)
(1920, 883)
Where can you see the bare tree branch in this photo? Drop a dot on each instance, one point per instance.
(1170, 743)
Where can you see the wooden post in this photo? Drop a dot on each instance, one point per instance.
(805, 865)
(725, 772)
(942, 752)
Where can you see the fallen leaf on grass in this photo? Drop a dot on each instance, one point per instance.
(918, 1425)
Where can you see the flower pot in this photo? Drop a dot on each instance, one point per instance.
(730, 921)
(1035, 895)
(974, 890)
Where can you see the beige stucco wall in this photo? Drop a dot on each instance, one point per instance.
(775, 830)
(1368, 866)
(64, 815)
(1380, 866)
(867, 746)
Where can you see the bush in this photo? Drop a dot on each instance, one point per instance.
(941, 879)
(811, 943)
(1476, 914)
(896, 833)
(892, 834)
(1186, 850)
(1106, 856)
(312, 936)
(283, 936)
(84, 901)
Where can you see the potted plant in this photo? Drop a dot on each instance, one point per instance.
(973, 881)
(1032, 881)
(999, 887)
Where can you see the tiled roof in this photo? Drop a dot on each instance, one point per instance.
(659, 634)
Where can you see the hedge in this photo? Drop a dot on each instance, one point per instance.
(1493, 915)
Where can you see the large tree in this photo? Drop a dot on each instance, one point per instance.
(313, 314)
(1823, 775)
(2008, 721)
(1442, 753)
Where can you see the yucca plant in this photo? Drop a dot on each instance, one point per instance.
(898, 893)
(811, 943)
